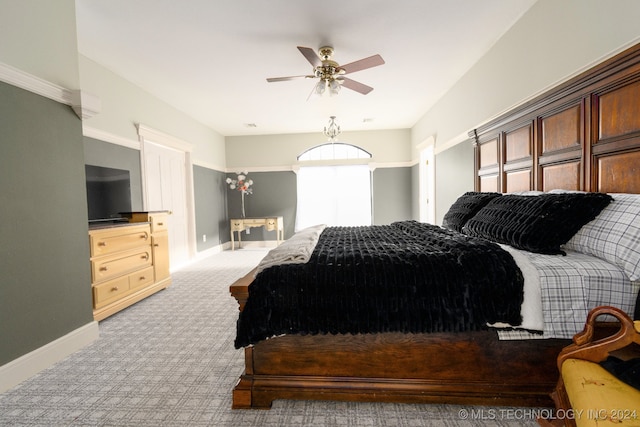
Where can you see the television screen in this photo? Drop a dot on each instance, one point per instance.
(108, 192)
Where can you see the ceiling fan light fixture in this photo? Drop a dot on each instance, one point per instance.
(330, 73)
(321, 86)
(334, 87)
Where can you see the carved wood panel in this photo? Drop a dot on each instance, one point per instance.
(489, 183)
(619, 112)
(489, 153)
(561, 130)
(619, 173)
(518, 144)
(518, 180)
(565, 176)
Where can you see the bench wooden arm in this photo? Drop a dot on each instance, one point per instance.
(585, 348)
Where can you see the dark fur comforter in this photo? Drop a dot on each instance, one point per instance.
(406, 277)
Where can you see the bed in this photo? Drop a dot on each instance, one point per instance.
(470, 353)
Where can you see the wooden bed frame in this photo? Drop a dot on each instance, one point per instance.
(583, 135)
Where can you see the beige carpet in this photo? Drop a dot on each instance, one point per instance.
(169, 361)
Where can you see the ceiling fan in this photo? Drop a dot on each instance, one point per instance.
(330, 73)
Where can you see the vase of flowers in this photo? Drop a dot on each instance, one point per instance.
(243, 185)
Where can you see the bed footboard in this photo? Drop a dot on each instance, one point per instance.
(461, 368)
(466, 368)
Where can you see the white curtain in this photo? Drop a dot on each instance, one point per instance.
(334, 195)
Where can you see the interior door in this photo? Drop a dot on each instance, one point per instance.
(165, 189)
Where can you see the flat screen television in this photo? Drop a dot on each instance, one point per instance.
(108, 193)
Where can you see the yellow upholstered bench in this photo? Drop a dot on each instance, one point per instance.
(587, 394)
(599, 396)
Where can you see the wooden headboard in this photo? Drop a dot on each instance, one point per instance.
(582, 135)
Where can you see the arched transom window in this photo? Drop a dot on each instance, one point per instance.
(334, 151)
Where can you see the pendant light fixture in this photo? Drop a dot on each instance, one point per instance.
(332, 130)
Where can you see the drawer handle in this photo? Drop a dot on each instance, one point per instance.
(156, 245)
(144, 236)
(103, 268)
(142, 278)
(145, 256)
(115, 288)
(161, 224)
(102, 243)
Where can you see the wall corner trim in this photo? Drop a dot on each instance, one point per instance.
(26, 366)
(26, 81)
(85, 104)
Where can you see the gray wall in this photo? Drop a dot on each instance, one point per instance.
(392, 191)
(454, 176)
(274, 193)
(211, 207)
(109, 155)
(45, 283)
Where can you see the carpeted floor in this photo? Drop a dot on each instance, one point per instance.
(169, 361)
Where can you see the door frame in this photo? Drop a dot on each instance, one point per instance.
(150, 135)
(426, 186)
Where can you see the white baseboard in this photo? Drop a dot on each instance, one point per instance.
(253, 244)
(24, 367)
(212, 251)
(248, 244)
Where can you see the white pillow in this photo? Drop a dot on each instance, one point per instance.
(614, 235)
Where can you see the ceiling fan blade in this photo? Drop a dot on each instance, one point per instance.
(286, 79)
(372, 61)
(311, 56)
(354, 85)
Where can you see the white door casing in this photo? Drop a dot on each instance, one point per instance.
(426, 171)
(168, 185)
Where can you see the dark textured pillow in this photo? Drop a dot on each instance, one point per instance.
(536, 224)
(465, 208)
(627, 371)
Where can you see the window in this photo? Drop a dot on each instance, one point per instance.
(334, 194)
(334, 151)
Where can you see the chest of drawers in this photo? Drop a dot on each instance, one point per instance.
(129, 262)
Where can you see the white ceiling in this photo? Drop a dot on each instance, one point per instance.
(210, 58)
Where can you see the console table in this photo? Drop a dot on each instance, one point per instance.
(270, 223)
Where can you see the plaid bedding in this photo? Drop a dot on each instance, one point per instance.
(571, 286)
